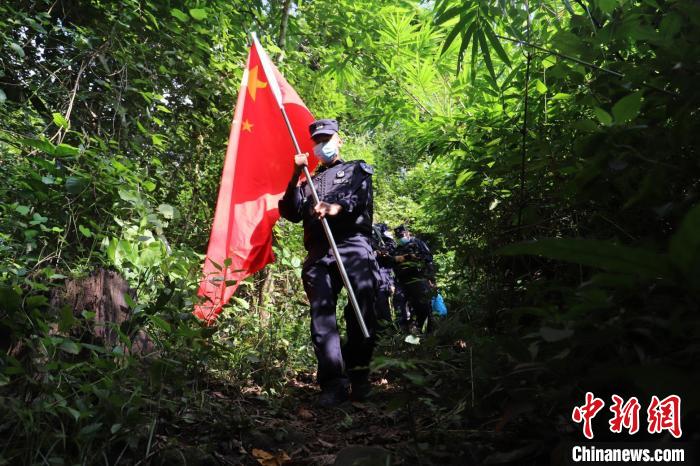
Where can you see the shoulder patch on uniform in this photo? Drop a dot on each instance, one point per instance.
(367, 168)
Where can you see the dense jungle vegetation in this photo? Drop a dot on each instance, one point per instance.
(547, 151)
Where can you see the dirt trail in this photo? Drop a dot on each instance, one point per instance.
(251, 429)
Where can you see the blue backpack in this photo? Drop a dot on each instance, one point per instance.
(438, 304)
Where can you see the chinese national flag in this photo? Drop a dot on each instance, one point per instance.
(258, 165)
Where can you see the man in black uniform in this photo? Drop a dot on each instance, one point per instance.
(415, 274)
(384, 246)
(345, 193)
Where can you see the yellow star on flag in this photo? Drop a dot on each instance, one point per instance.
(254, 83)
(247, 126)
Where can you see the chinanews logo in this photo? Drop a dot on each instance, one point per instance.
(663, 416)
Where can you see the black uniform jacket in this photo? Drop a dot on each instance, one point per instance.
(346, 183)
(421, 264)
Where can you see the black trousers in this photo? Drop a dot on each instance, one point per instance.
(322, 283)
(418, 294)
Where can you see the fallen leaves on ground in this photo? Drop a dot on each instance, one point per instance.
(271, 459)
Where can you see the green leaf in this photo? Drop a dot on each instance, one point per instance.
(22, 209)
(73, 412)
(60, 120)
(9, 298)
(540, 86)
(549, 61)
(161, 323)
(85, 231)
(464, 177)
(3, 96)
(38, 219)
(90, 429)
(41, 144)
(69, 346)
(607, 6)
(167, 211)
(603, 116)
(129, 195)
(65, 150)
(449, 14)
(496, 43)
(17, 49)
(180, 15)
(466, 38)
(76, 184)
(627, 108)
(415, 377)
(66, 319)
(487, 53)
(198, 13)
(459, 27)
(552, 335)
(684, 247)
(412, 340)
(594, 253)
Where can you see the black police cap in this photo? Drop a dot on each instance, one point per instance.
(323, 127)
(400, 229)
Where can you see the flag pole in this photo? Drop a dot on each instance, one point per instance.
(326, 228)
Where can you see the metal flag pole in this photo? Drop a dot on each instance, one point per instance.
(264, 59)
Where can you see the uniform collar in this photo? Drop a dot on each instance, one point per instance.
(320, 168)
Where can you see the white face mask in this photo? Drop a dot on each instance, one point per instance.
(325, 151)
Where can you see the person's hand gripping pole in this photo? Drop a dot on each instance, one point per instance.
(322, 209)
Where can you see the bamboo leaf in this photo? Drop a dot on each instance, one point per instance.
(496, 44)
(457, 29)
(465, 43)
(594, 253)
(487, 54)
(449, 14)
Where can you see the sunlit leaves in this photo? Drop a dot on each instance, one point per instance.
(627, 108)
(464, 177)
(466, 21)
(60, 120)
(473, 27)
(180, 15)
(167, 211)
(198, 13)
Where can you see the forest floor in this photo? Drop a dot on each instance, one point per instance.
(246, 427)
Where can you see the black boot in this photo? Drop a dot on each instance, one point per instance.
(360, 385)
(333, 393)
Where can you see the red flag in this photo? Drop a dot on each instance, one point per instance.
(257, 168)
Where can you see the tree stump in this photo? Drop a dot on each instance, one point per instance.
(103, 292)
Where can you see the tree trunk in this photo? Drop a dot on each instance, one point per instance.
(282, 38)
(103, 292)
